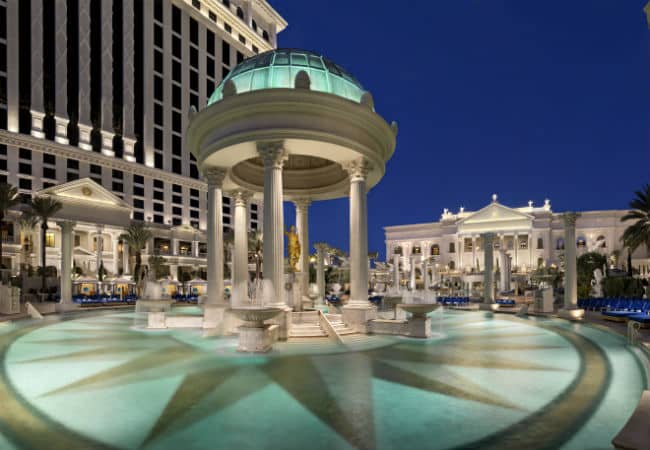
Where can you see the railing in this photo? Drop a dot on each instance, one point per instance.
(329, 329)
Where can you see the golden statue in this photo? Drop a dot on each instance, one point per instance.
(294, 248)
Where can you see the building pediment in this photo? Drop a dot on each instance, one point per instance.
(495, 218)
(88, 202)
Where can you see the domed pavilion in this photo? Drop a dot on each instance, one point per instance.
(291, 125)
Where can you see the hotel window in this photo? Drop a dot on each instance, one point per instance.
(178, 199)
(254, 24)
(452, 247)
(559, 244)
(177, 221)
(71, 176)
(96, 170)
(158, 61)
(196, 4)
(138, 179)
(467, 244)
(176, 19)
(194, 32)
(265, 35)
(227, 27)
(158, 11)
(225, 53)
(118, 174)
(3, 149)
(177, 145)
(176, 96)
(398, 250)
(138, 215)
(255, 49)
(417, 250)
(177, 188)
(240, 13)
(194, 57)
(194, 202)
(176, 47)
(49, 172)
(157, 218)
(25, 169)
(49, 159)
(138, 190)
(118, 187)
(242, 39)
(177, 211)
(240, 57)
(138, 203)
(49, 239)
(194, 171)
(177, 121)
(73, 164)
(24, 183)
(540, 244)
(176, 166)
(194, 214)
(159, 195)
(77, 240)
(212, 16)
(159, 207)
(158, 36)
(24, 153)
(3, 164)
(158, 160)
(176, 72)
(435, 250)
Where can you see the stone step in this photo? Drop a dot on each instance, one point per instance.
(305, 317)
(334, 317)
(306, 330)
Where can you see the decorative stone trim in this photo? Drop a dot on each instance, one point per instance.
(215, 176)
(272, 153)
(358, 169)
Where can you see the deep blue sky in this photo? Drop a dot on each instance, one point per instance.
(524, 98)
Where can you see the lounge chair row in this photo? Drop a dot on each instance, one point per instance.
(505, 302)
(455, 301)
(186, 298)
(620, 310)
(102, 299)
(610, 303)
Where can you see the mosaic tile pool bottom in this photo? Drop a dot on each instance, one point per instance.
(101, 381)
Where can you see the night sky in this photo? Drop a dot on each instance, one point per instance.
(526, 99)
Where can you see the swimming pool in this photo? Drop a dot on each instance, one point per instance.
(97, 380)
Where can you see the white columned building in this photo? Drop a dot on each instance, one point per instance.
(570, 310)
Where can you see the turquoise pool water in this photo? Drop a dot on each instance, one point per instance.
(99, 381)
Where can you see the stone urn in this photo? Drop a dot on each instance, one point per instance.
(254, 335)
(419, 324)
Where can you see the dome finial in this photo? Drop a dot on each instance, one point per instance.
(494, 198)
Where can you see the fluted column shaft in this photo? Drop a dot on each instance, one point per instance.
(358, 171)
(66, 261)
(396, 276)
(570, 262)
(272, 154)
(61, 70)
(488, 275)
(302, 225)
(37, 107)
(125, 258)
(240, 256)
(100, 248)
(320, 269)
(412, 274)
(215, 177)
(425, 273)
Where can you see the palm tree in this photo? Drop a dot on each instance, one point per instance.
(27, 224)
(8, 199)
(638, 233)
(44, 208)
(136, 237)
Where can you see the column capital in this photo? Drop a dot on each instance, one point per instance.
(570, 219)
(302, 204)
(241, 196)
(321, 247)
(357, 169)
(272, 153)
(63, 224)
(215, 176)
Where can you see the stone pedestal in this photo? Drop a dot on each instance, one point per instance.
(283, 321)
(153, 305)
(156, 320)
(488, 307)
(213, 315)
(255, 339)
(571, 314)
(419, 327)
(356, 316)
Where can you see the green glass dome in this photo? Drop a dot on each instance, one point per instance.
(278, 69)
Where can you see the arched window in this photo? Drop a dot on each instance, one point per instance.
(581, 242)
(559, 245)
(254, 24)
(417, 250)
(452, 247)
(435, 250)
(540, 244)
(452, 265)
(240, 13)
(265, 35)
(398, 250)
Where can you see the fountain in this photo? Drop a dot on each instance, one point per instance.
(152, 302)
(254, 334)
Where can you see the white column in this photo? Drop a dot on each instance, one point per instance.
(240, 255)
(461, 249)
(100, 248)
(396, 277)
(570, 262)
(302, 225)
(36, 108)
(425, 273)
(321, 248)
(412, 273)
(358, 170)
(66, 261)
(125, 258)
(115, 255)
(215, 177)
(515, 247)
(273, 155)
(13, 51)
(128, 81)
(84, 124)
(474, 252)
(107, 78)
(61, 71)
(488, 275)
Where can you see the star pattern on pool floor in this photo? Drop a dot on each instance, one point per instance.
(311, 380)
